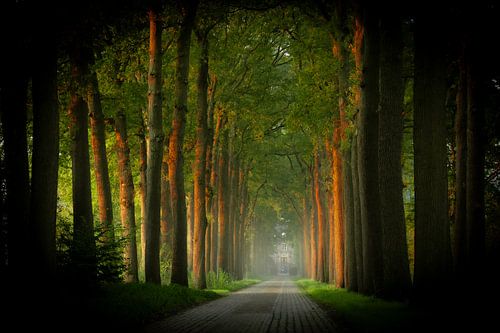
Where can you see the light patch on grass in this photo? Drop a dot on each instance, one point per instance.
(361, 313)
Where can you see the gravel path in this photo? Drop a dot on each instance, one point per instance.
(271, 306)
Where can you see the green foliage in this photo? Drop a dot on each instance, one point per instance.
(109, 254)
(362, 313)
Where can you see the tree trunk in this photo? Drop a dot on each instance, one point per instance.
(84, 247)
(358, 239)
(314, 234)
(213, 203)
(306, 238)
(189, 219)
(155, 151)
(209, 171)
(17, 202)
(368, 159)
(45, 164)
(97, 127)
(143, 161)
(475, 170)
(321, 218)
(460, 231)
(432, 245)
(341, 53)
(176, 159)
(200, 167)
(358, 235)
(223, 263)
(165, 209)
(397, 280)
(127, 206)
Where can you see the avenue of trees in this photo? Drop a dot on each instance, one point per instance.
(164, 141)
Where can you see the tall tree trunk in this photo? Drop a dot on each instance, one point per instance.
(127, 206)
(331, 214)
(460, 231)
(13, 106)
(208, 173)
(200, 167)
(432, 245)
(213, 198)
(222, 203)
(368, 158)
(45, 164)
(165, 209)
(357, 51)
(84, 248)
(314, 233)
(306, 238)
(321, 218)
(475, 169)
(358, 235)
(341, 53)
(155, 151)
(97, 127)
(189, 219)
(397, 280)
(176, 159)
(143, 161)
(351, 281)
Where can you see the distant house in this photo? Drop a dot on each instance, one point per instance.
(284, 259)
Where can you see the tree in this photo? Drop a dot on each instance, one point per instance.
(432, 237)
(199, 172)
(155, 151)
(45, 159)
(368, 157)
(97, 127)
(127, 208)
(84, 248)
(397, 280)
(321, 274)
(175, 165)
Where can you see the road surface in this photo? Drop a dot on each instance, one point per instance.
(271, 306)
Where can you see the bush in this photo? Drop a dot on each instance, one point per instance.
(110, 265)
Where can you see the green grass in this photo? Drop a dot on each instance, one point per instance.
(361, 313)
(125, 306)
(135, 305)
(222, 283)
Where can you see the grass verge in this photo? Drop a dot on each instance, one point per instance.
(135, 305)
(360, 313)
(234, 286)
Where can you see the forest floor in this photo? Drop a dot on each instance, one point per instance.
(275, 305)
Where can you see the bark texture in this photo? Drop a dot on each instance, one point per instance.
(397, 280)
(176, 159)
(127, 207)
(155, 151)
